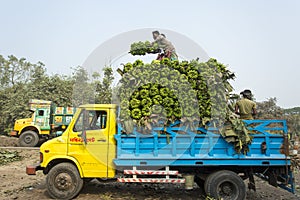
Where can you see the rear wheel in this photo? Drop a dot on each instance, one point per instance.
(28, 139)
(225, 185)
(63, 181)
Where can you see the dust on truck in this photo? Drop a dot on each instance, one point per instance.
(95, 146)
(47, 121)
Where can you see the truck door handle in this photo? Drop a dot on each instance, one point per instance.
(102, 140)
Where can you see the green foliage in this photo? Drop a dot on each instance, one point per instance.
(21, 81)
(104, 90)
(83, 90)
(294, 111)
(9, 156)
(270, 110)
(142, 48)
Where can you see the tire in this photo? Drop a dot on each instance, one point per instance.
(63, 181)
(28, 139)
(207, 181)
(225, 185)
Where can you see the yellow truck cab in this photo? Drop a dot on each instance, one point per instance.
(86, 149)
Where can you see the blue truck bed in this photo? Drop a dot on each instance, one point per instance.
(206, 149)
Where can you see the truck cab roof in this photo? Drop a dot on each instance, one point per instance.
(109, 106)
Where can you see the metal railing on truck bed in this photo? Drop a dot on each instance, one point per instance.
(178, 145)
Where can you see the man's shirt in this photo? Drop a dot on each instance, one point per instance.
(246, 107)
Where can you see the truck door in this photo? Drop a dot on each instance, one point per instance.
(42, 116)
(88, 142)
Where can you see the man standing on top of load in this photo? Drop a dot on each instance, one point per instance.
(245, 107)
(167, 46)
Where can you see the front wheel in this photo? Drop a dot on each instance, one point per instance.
(63, 181)
(225, 185)
(28, 139)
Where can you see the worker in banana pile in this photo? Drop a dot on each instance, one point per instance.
(246, 107)
(166, 45)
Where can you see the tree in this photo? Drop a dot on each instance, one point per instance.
(295, 110)
(16, 79)
(293, 121)
(61, 90)
(14, 70)
(83, 90)
(104, 88)
(269, 109)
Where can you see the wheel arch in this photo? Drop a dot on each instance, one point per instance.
(33, 128)
(67, 159)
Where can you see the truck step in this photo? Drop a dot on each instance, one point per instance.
(150, 172)
(151, 180)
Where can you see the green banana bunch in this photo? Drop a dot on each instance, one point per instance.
(142, 48)
(178, 90)
(136, 113)
(157, 99)
(177, 112)
(146, 111)
(144, 93)
(174, 89)
(147, 102)
(154, 91)
(135, 103)
(156, 109)
(164, 92)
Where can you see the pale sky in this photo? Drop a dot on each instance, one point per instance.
(258, 40)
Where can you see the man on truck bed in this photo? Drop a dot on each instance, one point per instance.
(167, 46)
(245, 107)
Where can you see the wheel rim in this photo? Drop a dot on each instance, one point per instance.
(227, 190)
(28, 139)
(63, 181)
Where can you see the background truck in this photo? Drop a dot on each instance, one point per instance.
(95, 146)
(47, 121)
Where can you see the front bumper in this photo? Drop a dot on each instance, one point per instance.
(31, 169)
(14, 133)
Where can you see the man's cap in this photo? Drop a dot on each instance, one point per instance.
(246, 92)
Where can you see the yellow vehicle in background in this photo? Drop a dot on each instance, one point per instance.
(47, 121)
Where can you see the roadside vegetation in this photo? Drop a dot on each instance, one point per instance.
(21, 80)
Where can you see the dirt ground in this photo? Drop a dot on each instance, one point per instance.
(15, 184)
(8, 141)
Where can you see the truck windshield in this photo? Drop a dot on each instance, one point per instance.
(93, 120)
